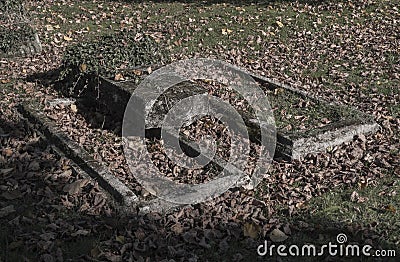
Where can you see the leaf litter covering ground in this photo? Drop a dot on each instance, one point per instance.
(353, 58)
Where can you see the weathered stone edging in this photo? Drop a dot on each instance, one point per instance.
(94, 168)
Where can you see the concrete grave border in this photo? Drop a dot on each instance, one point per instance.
(117, 94)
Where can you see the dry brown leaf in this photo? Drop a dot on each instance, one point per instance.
(6, 171)
(390, 208)
(277, 235)
(118, 77)
(120, 239)
(5, 211)
(67, 38)
(177, 228)
(80, 232)
(11, 195)
(34, 166)
(95, 252)
(279, 23)
(15, 244)
(354, 196)
(75, 187)
(226, 31)
(251, 230)
(137, 72)
(8, 152)
(83, 67)
(74, 108)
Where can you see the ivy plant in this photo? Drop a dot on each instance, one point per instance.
(107, 55)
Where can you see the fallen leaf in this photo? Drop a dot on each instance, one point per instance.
(390, 208)
(277, 235)
(8, 152)
(48, 236)
(74, 108)
(11, 195)
(203, 243)
(34, 166)
(47, 258)
(251, 230)
(5, 211)
(80, 232)
(67, 38)
(75, 187)
(279, 23)
(120, 239)
(362, 185)
(177, 228)
(226, 31)
(95, 252)
(83, 67)
(6, 171)
(287, 230)
(137, 72)
(354, 196)
(118, 77)
(15, 244)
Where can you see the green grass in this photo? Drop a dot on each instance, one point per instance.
(289, 106)
(336, 206)
(379, 213)
(375, 220)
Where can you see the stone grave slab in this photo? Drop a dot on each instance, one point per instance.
(305, 124)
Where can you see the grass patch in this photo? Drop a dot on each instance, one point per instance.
(371, 212)
(294, 112)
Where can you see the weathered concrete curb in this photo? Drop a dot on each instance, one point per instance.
(130, 203)
(296, 146)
